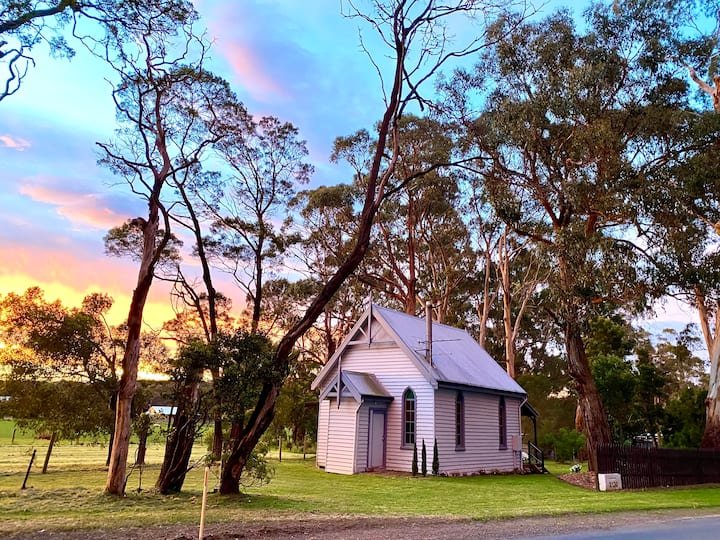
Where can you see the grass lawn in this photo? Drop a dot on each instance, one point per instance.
(71, 495)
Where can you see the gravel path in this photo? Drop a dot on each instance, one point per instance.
(381, 528)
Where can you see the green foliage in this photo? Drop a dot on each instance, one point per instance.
(424, 459)
(609, 335)
(555, 406)
(415, 460)
(436, 460)
(247, 364)
(126, 240)
(296, 407)
(684, 419)
(258, 470)
(567, 444)
(68, 409)
(617, 383)
(27, 23)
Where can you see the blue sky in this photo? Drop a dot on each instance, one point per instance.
(281, 58)
(298, 61)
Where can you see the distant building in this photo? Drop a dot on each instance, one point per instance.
(162, 410)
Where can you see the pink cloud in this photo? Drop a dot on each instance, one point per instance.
(247, 66)
(84, 209)
(15, 143)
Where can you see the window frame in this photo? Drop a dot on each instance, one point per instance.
(459, 422)
(502, 424)
(405, 423)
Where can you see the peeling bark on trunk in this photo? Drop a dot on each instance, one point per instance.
(597, 428)
(509, 337)
(181, 439)
(177, 455)
(507, 317)
(242, 443)
(711, 435)
(115, 483)
(142, 447)
(484, 306)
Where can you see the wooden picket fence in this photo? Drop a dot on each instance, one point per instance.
(659, 467)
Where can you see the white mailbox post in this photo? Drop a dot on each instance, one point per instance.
(609, 482)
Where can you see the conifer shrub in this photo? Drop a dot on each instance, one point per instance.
(424, 459)
(415, 460)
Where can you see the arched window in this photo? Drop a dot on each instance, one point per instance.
(459, 421)
(502, 423)
(409, 408)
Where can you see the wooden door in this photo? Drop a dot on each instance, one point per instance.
(376, 442)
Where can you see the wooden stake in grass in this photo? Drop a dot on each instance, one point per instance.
(204, 504)
(32, 458)
(53, 439)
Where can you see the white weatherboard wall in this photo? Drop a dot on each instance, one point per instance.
(482, 449)
(363, 419)
(396, 372)
(323, 418)
(342, 436)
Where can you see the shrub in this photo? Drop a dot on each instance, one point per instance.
(424, 459)
(415, 461)
(567, 444)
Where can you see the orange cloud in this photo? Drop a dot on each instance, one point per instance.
(15, 143)
(67, 278)
(82, 209)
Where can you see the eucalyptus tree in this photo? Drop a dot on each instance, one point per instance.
(199, 303)
(170, 110)
(326, 221)
(266, 164)
(25, 24)
(420, 247)
(415, 32)
(564, 162)
(509, 270)
(685, 209)
(683, 233)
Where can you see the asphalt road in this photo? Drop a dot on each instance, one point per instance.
(684, 528)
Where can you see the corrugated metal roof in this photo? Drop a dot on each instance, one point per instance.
(457, 358)
(366, 384)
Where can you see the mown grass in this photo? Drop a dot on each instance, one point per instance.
(70, 495)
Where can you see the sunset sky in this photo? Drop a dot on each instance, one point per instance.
(301, 65)
(281, 58)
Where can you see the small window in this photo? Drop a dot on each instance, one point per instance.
(409, 407)
(459, 421)
(502, 423)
